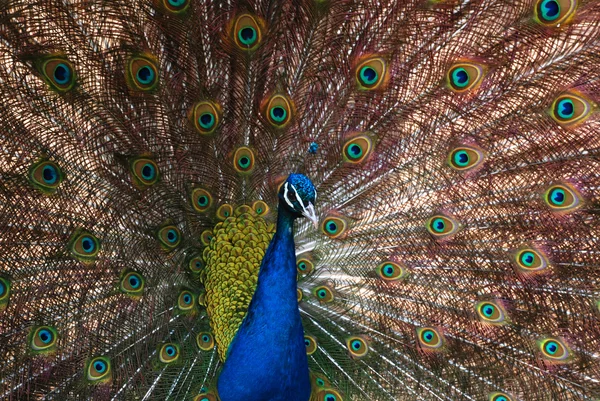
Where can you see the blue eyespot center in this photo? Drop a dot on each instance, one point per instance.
(62, 74)
(460, 77)
(356, 345)
(302, 266)
(2, 288)
(438, 225)
(527, 258)
(205, 338)
(100, 366)
(247, 35)
(500, 398)
(88, 244)
(45, 336)
(187, 299)
(145, 75)
(558, 196)
(550, 10)
(322, 293)
(331, 227)
(313, 147)
(170, 350)
(330, 397)
(307, 342)
(49, 174)
(388, 270)
(428, 336)
(177, 3)
(461, 158)
(198, 265)
(320, 382)
(488, 310)
(202, 200)
(148, 171)
(566, 108)
(206, 120)
(355, 151)
(134, 282)
(278, 114)
(244, 161)
(551, 347)
(368, 75)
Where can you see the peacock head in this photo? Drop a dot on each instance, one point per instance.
(298, 195)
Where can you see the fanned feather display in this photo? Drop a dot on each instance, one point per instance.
(155, 154)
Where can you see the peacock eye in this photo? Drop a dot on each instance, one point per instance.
(500, 397)
(46, 176)
(391, 271)
(311, 344)
(202, 200)
(260, 207)
(278, 110)
(206, 117)
(224, 211)
(176, 6)
(142, 73)
(371, 73)
(205, 397)
(554, 12)
(169, 236)
(144, 172)
(305, 266)
(169, 353)
(562, 198)
(553, 349)
(5, 285)
(357, 347)
(323, 293)
(357, 149)
(329, 395)
(205, 341)
(441, 226)
(99, 370)
(530, 260)
(570, 109)
(196, 264)
(464, 158)
(247, 32)
(43, 339)
(464, 76)
(58, 72)
(186, 301)
(84, 246)
(429, 338)
(490, 312)
(243, 160)
(334, 227)
(132, 283)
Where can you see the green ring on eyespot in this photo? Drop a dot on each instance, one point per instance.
(243, 162)
(549, 10)
(247, 35)
(330, 397)
(500, 398)
(558, 196)
(145, 75)
(438, 225)
(528, 258)
(331, 227)
(2, 289)
(206, 120)
(460, 77)
(321, 293)
(259, 210)
(355, 151)
(320, 382)
(302, 266)
(368, 75)
(459, 158)
(565, 109)
(278, 118)
(177, 3)
(62, 74)
(203, 200)
(356, 345)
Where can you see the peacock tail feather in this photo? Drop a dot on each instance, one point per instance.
(146, 152)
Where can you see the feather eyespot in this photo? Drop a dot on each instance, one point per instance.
(500, 397)
(169, 237)
(243, 160)
(45, 176)
(358, 148)
(169, 353)
(99, 370)
(465, 76)
(132, 283)
(176, 6)
(430, 338)
(186, 301)
(305, 266)
(357, 346)
(196, 264)
(205, 341)
(205, 397)
(260, 208)
(205, 117)
(554, 12)
(43, 339)
(84, 246)
(299, 294)
(142, 73)
(206, 237)
(323, 293)
(202, 200)
(371, 73)
(554, 350)
(278, 110)
(530, 260)
(319, 381)
(59, 74)
(329, 395)
(390, 271)
(224, 211)
(334, 227)
(490, 312)
(570, 109)
(311, 344)
(144, 172)
(562, 198)
(247, 32)
(465, 158)
(5, 287)
(441, 226)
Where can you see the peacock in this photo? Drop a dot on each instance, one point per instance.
(307, 200)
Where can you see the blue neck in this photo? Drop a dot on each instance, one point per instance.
(267, 358)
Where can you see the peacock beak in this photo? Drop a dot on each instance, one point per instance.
(309, 213)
